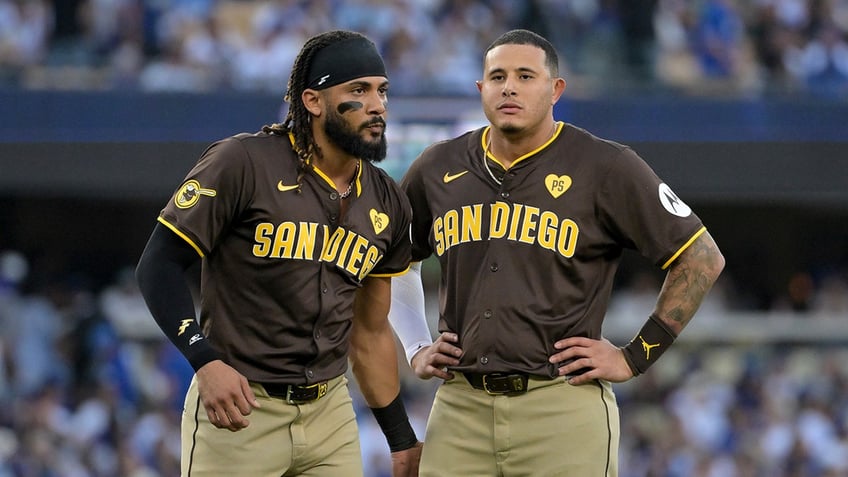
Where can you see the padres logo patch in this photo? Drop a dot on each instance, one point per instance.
(557, 185)
(190, 193)
(379, 220)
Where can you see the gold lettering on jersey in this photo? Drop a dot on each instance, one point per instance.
(512, 222)
(284, 240)
(357, 253)
(472, 215)
(548, 226)
(342, 255)
(567, 238)
(499, 221)
(287, 240)
(439, 236)
(345, 249)
(451, 219)
(372, 258)
(458, 227)
(331, 246)
(528, 225)
(305, 246)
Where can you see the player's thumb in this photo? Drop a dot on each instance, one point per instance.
(249, 396)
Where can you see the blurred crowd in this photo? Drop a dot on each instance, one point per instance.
(90, 387)
(736, 48)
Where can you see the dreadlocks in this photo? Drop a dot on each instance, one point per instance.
(297, 121)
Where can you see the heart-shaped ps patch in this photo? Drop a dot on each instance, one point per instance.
(557, 185)
(379, 220)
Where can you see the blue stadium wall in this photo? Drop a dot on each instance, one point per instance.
(83, 175)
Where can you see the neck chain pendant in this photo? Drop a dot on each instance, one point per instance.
(347, 191)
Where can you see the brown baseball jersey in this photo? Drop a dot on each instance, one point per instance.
(281, 267)
(531, 261)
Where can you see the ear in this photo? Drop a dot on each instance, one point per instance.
(312, 101)
(559, 87)
(479, 85)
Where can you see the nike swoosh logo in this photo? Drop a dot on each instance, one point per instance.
(284, 188)
(448, 177)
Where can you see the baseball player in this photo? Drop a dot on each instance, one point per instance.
(528, 218)
(298, 234)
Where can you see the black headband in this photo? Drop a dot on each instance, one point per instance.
(343, 61)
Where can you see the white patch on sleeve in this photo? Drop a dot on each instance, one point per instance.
(672, 203)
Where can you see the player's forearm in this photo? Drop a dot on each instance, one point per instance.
(373, 354)
(373, 359)
(161, 279)
(374, 363)
(688, 280)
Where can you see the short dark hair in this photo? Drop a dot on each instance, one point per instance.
(527, 37)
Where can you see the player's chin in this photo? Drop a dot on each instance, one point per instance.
(509, 125)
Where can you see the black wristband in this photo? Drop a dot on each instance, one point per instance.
(189, 339)
(649, 344)
(395, 425)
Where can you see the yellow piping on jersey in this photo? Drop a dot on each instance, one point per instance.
(324, 176)
(382, 275)
(684, 247)
(489, 154)
(333, 184)
(182, 236)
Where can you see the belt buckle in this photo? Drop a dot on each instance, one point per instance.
(515, 384)
(321, 391)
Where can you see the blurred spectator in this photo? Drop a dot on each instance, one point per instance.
(831, 297)
(821, 65)
(720, 46)
(172, 73)
(706, 47)
(125, 309)
(25, 29)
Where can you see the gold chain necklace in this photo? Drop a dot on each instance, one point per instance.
(346, 193)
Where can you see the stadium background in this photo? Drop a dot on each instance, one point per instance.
(741, 106)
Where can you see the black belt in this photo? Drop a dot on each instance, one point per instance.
(499, 383)
(296, 393)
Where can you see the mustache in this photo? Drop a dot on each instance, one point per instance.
(378, 121)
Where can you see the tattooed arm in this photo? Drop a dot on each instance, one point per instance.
(687, 282)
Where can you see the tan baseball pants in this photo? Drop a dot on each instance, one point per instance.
(315, 439)
(553, 430)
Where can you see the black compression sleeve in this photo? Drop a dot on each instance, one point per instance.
(161, 276)
(395, 425)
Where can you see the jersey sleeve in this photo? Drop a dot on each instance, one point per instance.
(642, 212)
(396, 259)
(211, 195)
(413, 184)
